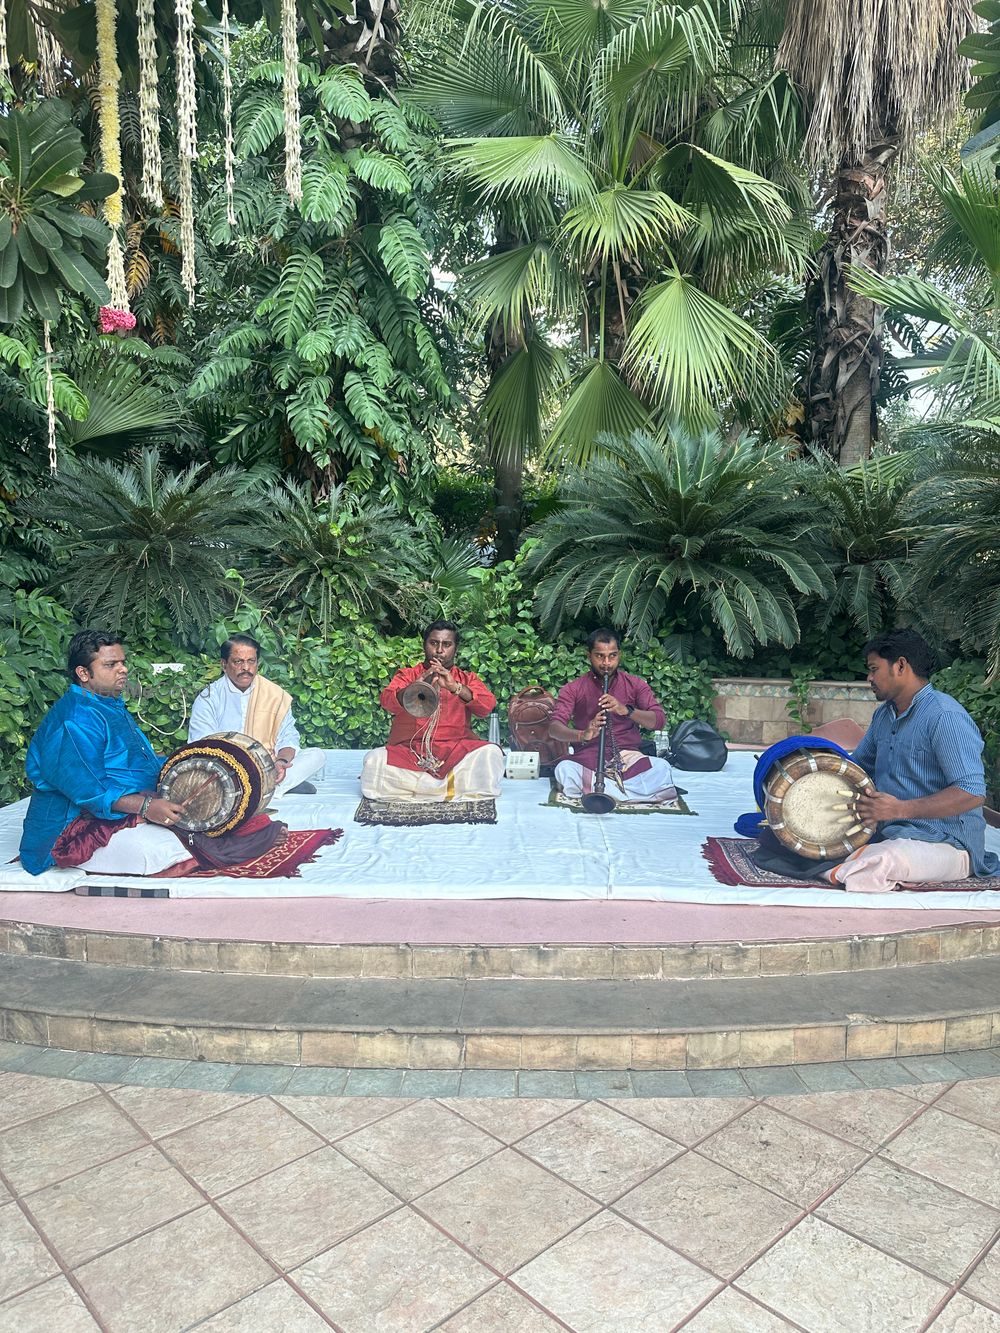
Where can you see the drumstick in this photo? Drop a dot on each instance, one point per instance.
(198, 791)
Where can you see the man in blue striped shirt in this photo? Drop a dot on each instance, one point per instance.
(925, 755)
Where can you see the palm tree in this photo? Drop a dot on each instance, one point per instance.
(141, 545)
(586, 137)
(698, 527)
(872, 73)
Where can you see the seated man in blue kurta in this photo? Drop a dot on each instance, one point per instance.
(89, 758)
(925, 755)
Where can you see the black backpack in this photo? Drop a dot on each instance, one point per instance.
(697, 747)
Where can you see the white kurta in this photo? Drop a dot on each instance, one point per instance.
(222, 707)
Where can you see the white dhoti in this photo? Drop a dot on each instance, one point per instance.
(880, 867)
(654, 784)
(146, 849)
(305, 765)
(474, 778)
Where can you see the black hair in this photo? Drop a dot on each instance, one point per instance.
(904, 642)
(246, 639)
(602, 635)
(439, 625)
(84, 647)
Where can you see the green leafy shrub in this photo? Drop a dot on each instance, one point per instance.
(34, 630)
(968, 683)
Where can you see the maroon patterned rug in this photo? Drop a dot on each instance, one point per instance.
(730, 863)
(300, 846)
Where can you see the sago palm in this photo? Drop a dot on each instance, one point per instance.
(696, 527)
(865, 524)
(321, 563)
(142, 545)
(956, 569)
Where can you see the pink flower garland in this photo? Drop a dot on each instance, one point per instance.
(116, 321)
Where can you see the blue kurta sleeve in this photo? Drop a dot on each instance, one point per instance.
(75, 763)
(958, 748)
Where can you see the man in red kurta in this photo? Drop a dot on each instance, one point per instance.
(436, 758)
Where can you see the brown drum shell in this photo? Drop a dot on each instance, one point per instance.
(224, 780)
(801, 796)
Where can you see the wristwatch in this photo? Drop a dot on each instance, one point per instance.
(630, 709)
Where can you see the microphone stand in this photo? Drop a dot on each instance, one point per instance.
(598, 802)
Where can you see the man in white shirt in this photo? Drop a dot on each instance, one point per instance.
(242, 700)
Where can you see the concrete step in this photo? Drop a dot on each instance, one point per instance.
(505, 1024)
(393, 961)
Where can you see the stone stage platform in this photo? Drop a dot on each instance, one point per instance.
(596, 943)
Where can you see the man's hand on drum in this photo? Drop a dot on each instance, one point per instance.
(282, 763)
(163, 812)
(877, 807)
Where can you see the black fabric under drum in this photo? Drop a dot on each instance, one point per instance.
(771, 855)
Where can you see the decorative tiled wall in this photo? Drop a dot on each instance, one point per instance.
(755, 712)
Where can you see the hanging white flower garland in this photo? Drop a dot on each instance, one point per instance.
(149, 107)
(187, 140)
(49, 57)
(50, 398)
(227, 116)
(4, 59)
(293, 148)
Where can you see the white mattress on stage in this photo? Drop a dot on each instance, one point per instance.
(533, 851)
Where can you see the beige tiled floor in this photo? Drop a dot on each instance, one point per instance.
(140, 1210)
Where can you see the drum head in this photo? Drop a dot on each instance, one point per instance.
(809, 804)
(222, 780)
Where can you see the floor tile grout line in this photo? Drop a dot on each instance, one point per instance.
(509, 1286)
(57, 1257)
(279, 1271)
(963, 1277)
(88, 1096)
(558, 1115)
(812, 1209)
(745, 1295)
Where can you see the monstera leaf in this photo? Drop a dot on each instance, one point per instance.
(47, 245)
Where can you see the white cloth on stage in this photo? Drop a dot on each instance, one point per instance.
(655, 783)
(146, 849)
(879, 867)
(306, 764)
(475, 777)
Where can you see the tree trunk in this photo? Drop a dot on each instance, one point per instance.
(507, 464)
(843, 377)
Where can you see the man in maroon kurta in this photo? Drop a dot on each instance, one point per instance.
(628, 704)
(435, 758)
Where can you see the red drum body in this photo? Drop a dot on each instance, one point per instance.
(222, 780)
(809, 804)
